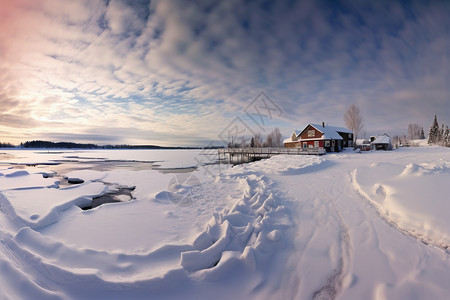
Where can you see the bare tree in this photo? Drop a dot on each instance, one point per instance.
(413, 131)
(257, 140)
(243, 143)
(354, 120)
(276, 138)
(269, 141)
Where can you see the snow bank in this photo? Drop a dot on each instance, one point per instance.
(12, 179)
(411, 196)
(41, 206)
(150, 239)
(283, 165)
(289, 227)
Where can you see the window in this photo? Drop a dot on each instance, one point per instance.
(305, 144)
(327, 143)
(311, 133)
(316, 144)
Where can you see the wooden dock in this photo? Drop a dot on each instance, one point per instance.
(241, 155)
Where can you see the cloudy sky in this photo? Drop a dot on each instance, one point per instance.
(189, 72)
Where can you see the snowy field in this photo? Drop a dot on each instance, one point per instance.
(371, 225)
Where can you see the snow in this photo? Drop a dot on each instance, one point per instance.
(339, 226)
(420, 143)
(413, 197)
(330, 132)
(340, 129)
(382, 139)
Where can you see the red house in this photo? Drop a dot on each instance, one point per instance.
(330, 138)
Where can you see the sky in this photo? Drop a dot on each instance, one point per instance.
(195, 73)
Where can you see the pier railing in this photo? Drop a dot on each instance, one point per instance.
(249, 154)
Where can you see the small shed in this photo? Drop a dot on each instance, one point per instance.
(381, 142)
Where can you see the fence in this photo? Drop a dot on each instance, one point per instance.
(251, 154)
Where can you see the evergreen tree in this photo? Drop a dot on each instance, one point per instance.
(433, 135)
(422, 134)
(252, 143)
(446, 138)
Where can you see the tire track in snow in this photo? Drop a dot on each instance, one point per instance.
(334, 283)
(320, 226)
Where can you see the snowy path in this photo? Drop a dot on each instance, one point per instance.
(346, 249)
(340, 226)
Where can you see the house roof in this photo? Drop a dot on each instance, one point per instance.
(329, 132)
(289, 140)
(382, 139)
(340, 129)
(293, 138)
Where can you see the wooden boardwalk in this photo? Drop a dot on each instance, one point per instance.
(250, 154)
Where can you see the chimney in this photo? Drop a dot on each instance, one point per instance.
(323, 124)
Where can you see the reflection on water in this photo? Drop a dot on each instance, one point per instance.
(122, 194)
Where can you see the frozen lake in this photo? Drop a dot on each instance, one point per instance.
(107, 160)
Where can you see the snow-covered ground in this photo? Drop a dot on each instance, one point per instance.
(370, 225)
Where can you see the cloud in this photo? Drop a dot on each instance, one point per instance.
(165, 68)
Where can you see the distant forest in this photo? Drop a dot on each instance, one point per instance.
(6, 145)
(46, 144)
(70, 145)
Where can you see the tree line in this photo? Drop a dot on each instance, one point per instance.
(414, 132)
(70, 145)
(439, 135)
(273, 140)
(47, 144)
(6, 145)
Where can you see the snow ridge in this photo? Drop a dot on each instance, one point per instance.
(381, 196)
(249, 231)
(246, 236)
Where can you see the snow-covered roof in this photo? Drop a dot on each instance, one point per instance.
(340, 129)
(289, 140)
(293, 138)
(382, 139)
(329, 132)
